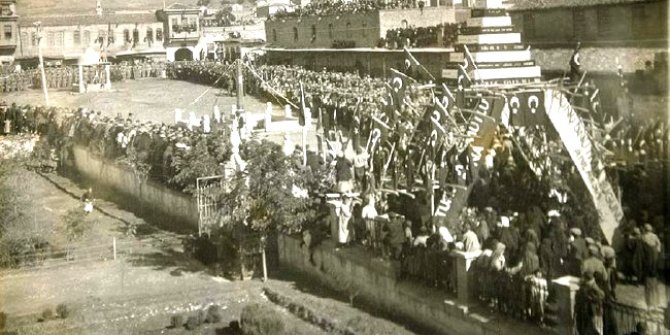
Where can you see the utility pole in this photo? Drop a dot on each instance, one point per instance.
(240, 86)
(38, 35)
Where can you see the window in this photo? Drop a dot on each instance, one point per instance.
(295, 33)
(348, 29)
(640, 20)
(126, 36)
(529, 25)
(24, 38)
(159, 34)
(8, 32)
(5, 10)
(604, 21)
(578, 23)
(150, 36)
(274, 35)
(51, 39)
(364, 31)
(136, 36)
(60, 38)
(87, 37)
(330, 30)
(76, 36)
(313, 33)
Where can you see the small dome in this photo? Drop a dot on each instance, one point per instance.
(89, 57)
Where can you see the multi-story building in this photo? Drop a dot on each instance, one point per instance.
(8, 31)
(183, 40)
(359, 30)
(602, 23)
(114, 34)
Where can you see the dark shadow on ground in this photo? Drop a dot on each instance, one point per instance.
(312, 287)
(168, 259)
(154, 219)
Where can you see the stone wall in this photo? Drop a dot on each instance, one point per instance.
(148, 195)
(378, 286)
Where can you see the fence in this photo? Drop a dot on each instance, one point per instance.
(77, 254)
(627, 318)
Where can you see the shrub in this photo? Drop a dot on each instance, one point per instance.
(47, 314)
(259, 319)
(3, 320)
(192, 323)
(62, 311)
(201, 317)
(176, 321)
(214, 314)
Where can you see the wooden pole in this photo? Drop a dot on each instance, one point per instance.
(240, 86)
(114, 246)
(38, 26)
(265, 267)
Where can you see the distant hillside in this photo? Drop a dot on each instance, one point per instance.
(65, 7)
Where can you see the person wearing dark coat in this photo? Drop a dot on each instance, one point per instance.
(589, 306)
(610, 326)
(577, 253)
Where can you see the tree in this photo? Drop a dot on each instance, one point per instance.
(201, 160)
(261, 196)
(75, 225)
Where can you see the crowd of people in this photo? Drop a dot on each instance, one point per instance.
(345, 7)
(442, 35)
(528, 227)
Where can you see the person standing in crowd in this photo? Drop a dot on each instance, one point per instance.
(470, 240)
(609, 320)
(343, 174)
(646, 260)
(589, 306)
(369, 214)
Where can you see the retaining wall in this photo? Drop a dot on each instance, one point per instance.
(379, 287)
(147, 195)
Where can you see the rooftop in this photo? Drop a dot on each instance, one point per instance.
(90, 19)
(78, 7)
(547, 4)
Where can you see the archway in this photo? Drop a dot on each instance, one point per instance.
(183, 54)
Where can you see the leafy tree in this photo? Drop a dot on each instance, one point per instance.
(261, 195)
(197, 161)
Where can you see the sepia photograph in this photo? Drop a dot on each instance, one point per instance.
(334, 167)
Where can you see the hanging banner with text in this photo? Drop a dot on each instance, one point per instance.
(576, 140)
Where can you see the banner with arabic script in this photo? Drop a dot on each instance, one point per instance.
(574, 135)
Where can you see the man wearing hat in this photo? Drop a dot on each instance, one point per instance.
(577, 251)
(594, 265)
(646, 260)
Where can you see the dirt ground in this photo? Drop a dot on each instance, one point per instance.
(150, 280)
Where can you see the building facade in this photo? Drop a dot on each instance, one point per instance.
(114, 35)
(357, 30)
(8, 31)
(607, 23)
(183, 33)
